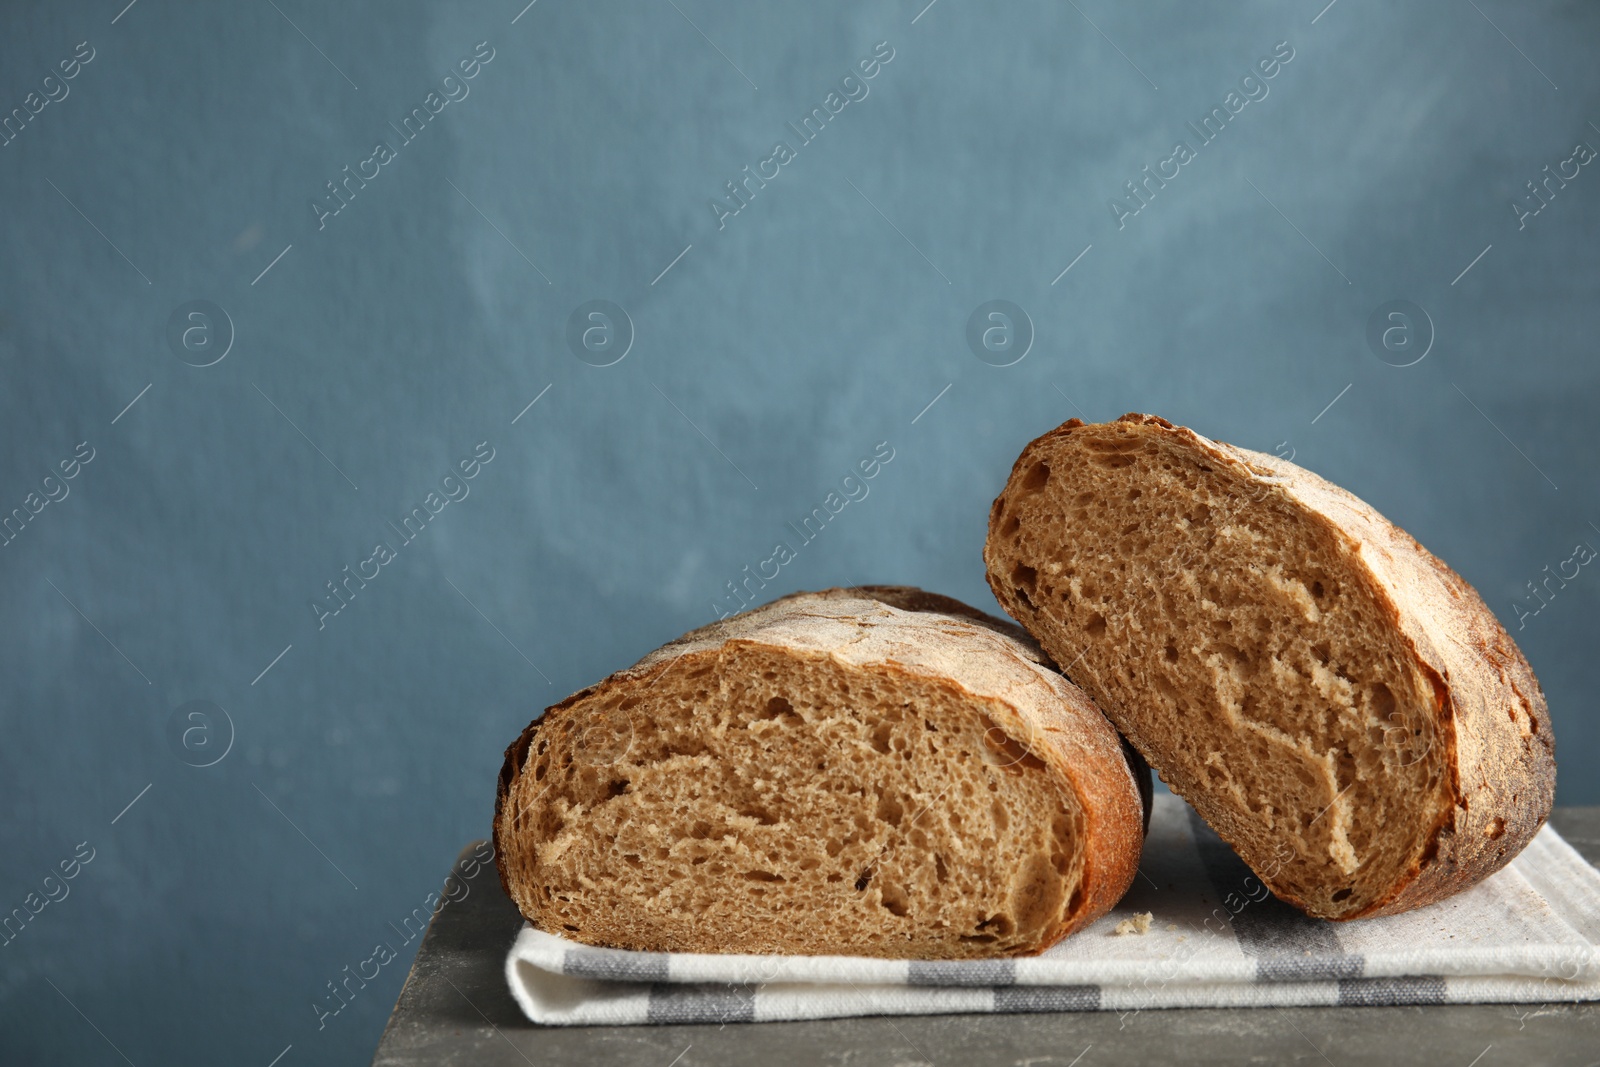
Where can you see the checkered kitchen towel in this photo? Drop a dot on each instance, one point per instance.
(1528, 935)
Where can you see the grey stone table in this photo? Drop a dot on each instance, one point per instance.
(455, 1009)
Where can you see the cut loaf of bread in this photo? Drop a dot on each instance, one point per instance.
(874, 771)
(1335, 701)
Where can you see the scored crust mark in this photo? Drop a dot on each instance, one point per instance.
(831, 773)
(1332, 698)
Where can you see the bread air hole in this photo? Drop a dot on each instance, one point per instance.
(997, 925)
(894, 900)
(890, 810)
(1025, 576)
(1250, 658)
(779, 708)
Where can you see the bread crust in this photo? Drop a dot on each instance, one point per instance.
(1489, 711)
(905, 631)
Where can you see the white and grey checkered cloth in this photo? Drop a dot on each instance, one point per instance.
(1526, 935)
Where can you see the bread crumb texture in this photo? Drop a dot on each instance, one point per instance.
(829, 774)
(1336, 702)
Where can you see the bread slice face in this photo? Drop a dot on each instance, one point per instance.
(876, 771)
(1336, 702)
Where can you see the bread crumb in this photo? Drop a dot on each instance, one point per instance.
(1139, 924)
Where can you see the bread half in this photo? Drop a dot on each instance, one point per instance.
(1335, 701)
(875, 771)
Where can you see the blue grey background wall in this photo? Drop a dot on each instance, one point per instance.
(573, 308)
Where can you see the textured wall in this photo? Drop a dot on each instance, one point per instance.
(768, 350)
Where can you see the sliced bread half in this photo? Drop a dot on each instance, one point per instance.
(1335, 701)
(872, 771)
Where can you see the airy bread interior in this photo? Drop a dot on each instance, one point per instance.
(1240, 647)
(747, 798)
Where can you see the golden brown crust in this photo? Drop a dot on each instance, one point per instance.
(908, 632)
(1489, 710)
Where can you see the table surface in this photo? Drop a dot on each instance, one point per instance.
(455, 1009)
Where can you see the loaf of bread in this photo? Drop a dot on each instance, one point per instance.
(873, 771)
(1335, 701)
